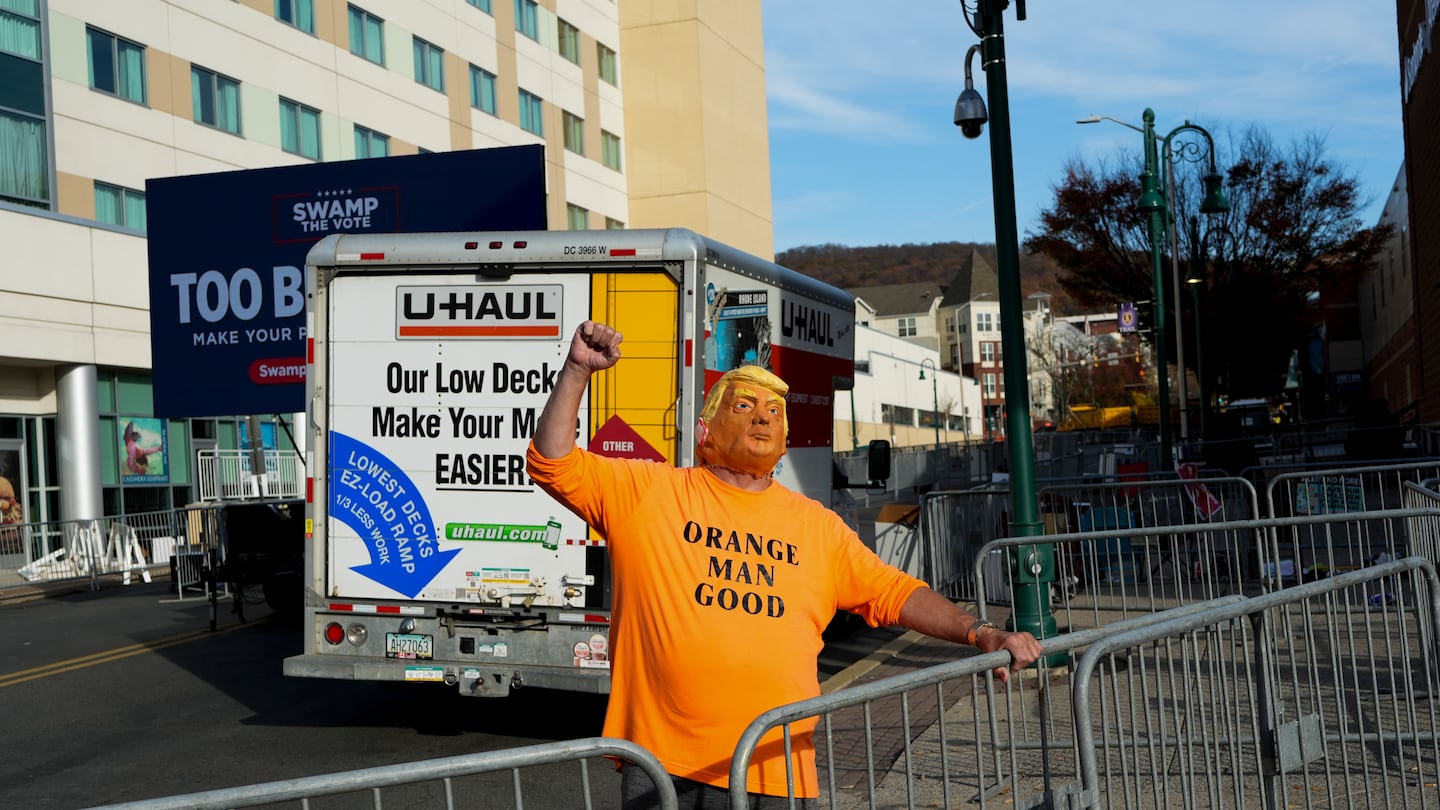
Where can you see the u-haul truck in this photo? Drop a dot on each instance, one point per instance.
(430, 555)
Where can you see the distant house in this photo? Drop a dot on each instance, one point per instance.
(907, 311)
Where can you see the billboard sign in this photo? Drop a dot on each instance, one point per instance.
(227, 259)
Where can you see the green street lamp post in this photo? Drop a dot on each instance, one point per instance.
(1156, 200)
(934, 393)
(1032, 567)
(1197, 280)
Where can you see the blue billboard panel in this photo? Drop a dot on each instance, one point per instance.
(227, 259)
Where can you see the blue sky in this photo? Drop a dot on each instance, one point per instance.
(861, 95)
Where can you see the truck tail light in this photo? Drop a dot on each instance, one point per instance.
(334, 633)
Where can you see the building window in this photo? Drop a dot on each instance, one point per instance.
(577, 218)
(907, 327)
(527, 18)
(25, 171)
(117, 66)
(982, 322)
(429, 65)
(482, 90)
(369, 143)
(299, 13)
(988, 386)
(120, 206)
(609, 73)
(20, 28)
(483, 5)
(987, 353)
(299, 129)
(215, 99)
(610, 150)
(901, 415)
(614, 224)
(569, 40)
(532, 114)
(574, 133)
(367, 35)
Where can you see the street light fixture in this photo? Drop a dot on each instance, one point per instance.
(1032, 566)
(935, 393)
(1196, 279)
(1157, 200)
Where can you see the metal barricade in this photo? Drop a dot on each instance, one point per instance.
(1424, 531)
(1306, 552)
(1315, 696)
(1307, 696)
(125, 545)
(430, 783)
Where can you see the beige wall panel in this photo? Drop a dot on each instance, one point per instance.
(160, 72)
(658, 12)
(93, 129)
(136, 20)
(612, 108)
(591, 185)
(664, 135)
(266, 7)
(28, 391)
(676, 210)
(332, 23)
(599, 19)
(61, 248)
(742, 228)
(738, 140)
(458, 94)
(179, 87)
(739, 23)
(123, 348)
(122, 270)
(267, 53)
(490, 130)
(427, 121)
(50, 341)
(75, 195)
(400, 146)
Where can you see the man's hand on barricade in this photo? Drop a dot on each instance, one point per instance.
(1024, 648)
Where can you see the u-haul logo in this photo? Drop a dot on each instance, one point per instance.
(478, 311)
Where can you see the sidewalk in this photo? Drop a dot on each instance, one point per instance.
(16, 590)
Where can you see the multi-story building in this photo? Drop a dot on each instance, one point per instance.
(97, 97)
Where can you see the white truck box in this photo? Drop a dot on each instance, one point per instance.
(430, 556)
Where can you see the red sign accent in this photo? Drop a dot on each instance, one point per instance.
(1205, 502)
(616, 439)
(277, 370)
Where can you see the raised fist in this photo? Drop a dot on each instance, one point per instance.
(595, 347)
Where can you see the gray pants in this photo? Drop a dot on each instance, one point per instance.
(637, 792)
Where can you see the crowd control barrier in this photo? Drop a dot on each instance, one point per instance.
(448, 782)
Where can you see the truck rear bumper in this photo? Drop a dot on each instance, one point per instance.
(469, 678)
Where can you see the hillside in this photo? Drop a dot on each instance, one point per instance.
(849, 267)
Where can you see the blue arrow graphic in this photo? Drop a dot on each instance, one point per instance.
(372, 495)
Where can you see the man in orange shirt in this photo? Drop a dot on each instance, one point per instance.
(724, 582)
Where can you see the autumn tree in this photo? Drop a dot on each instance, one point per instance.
(1292, 232)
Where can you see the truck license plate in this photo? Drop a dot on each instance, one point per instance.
(409, 645)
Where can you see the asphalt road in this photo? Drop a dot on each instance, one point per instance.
(125, 694)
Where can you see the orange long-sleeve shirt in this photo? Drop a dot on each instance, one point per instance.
(720, 597)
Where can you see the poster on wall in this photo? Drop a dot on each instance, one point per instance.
(142, 451)
(12, 487)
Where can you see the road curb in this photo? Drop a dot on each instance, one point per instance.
(855, 671)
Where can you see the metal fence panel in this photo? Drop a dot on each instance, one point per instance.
(88, 549)
(1315, 695)
(403, 785)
